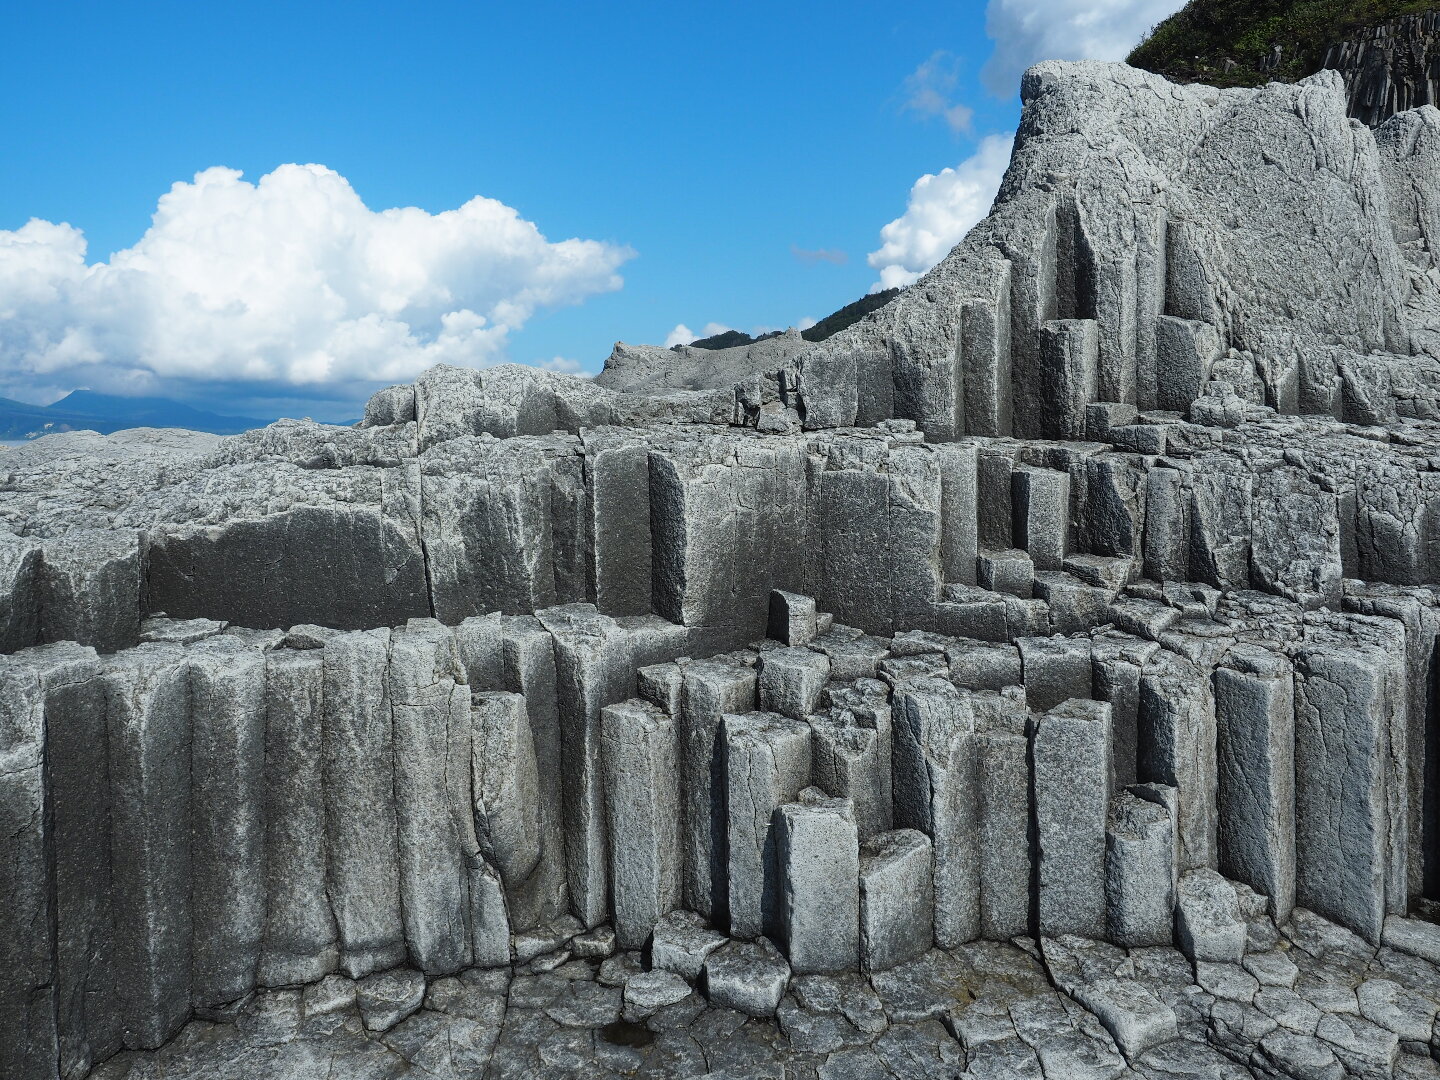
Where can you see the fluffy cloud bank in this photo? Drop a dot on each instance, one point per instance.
(1028, 31)
(291, 281)
(943, 207)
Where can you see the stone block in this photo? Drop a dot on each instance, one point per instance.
(792, 618)
(818, 855)
(1010, 571)
(897, 899)
(791, 680)
(1255, 800)
(1139, 873)
(747, 976)
(767, 763)
(1040, 501)
(358, 773)
(711, 689)
(1071, 765)
(682, 942)
(936, 793)
(1056, 669)
(1208, 926)
(642, 773)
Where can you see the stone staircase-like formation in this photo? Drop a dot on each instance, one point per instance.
(1074, 608)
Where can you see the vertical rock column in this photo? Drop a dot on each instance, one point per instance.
(1069, 362)
(227, 779)
(767, 760)
(641, 766)
(29, 1042)
(1139, 872)
(300, 941)
(1070, 757)
(148, 714)
(1003, 785)
(897, 899)
(431, 717)
(1341, 811)
(959, 511)
(594, 667)
(507, 793)
(709, 690)
(984, 358)
(818, 851)
(87, 1013)
(1040, 500)
(1255, 718)
(529, 670)
(361, 832)
(935, 792)
(1177, 748)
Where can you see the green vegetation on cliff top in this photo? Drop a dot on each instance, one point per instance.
(1229, 42)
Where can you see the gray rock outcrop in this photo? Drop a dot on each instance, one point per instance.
(1035, 678)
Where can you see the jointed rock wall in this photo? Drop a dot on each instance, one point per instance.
(1074, 608)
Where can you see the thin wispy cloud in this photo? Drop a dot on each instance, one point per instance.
(930, 91)
(819, 255)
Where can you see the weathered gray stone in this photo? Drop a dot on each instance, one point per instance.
(791, 681)
(711, 689)
(438, 850)
(228, 853)
(792, 618)
(1342, 806)
(29, 1038)
(1255, 720)
(897, 899)
(357, 768)
(1207, 918)
(389, 997)
(682, 942)
(148, 731)
(1139, 872)
(767, 764)
(1071, 761)
(935, 792)
(818, 857)
(641, 755)
(748, 976)
(90, 586)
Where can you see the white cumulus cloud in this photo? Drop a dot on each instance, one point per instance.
(290, 281)
(943, 207)
(1028, 31)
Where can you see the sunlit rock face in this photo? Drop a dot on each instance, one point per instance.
(1034, 679)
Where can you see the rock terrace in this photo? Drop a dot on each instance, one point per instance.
(1035, 679)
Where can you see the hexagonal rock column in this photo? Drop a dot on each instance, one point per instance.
(1255, 721)
(818, 852)
(641, 763)
(709, 690)
(935, 792)
(897, 899)
(1070, 759)
(767, 764)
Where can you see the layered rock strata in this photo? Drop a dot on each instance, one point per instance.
(1035, 678)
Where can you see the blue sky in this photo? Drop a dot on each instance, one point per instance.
(733, 164)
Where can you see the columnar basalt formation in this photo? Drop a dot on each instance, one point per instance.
(1036, 678)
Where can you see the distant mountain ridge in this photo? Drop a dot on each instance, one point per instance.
(87, 410)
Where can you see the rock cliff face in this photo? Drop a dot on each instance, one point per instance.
(1036, 678)
(1390, 68)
